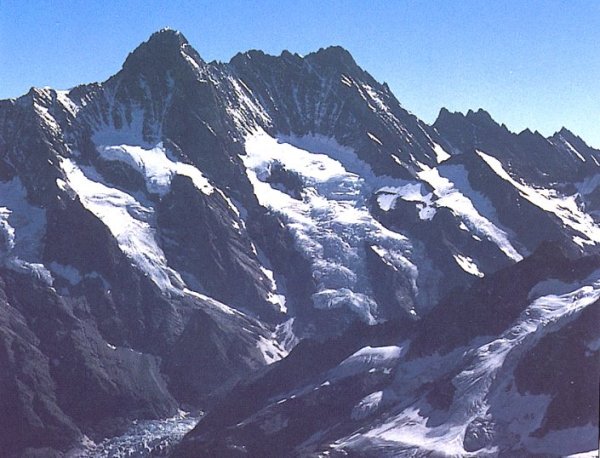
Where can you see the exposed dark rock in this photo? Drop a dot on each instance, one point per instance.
(496, 300)
(90, 339)
(554, 367)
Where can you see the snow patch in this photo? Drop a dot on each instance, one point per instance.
(213, 302)
(411, 192)
(243, 108)
(284, 334)
(449, 195)
(273, 297)
(270, 349)
(131, 223)
(22, 230)
(374, 138)
(573, 150)
(67, 103)
(386, 201)
(345, 80)
(366, 359)
(156, 167)
(440, 153)
(367, 406)
(467, 264)
(565, 208)
(590, 454)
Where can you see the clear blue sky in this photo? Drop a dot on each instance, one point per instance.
(529, 63)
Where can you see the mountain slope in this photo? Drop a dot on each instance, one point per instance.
(508, 386)
(195, 220)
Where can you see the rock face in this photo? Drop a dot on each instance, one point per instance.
(172, 230)
(507, 383)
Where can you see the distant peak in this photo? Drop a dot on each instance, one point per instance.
(480, 115)
(445, 115)
(285, 54)
(566, 133)
(444, 112)
(164, 48)
(40, 95)
(168, 35)
(333, 55)
(526, 131)
(335, 51)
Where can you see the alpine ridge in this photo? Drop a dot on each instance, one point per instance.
(276, 241)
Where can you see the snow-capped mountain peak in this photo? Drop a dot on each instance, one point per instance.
(170, 230)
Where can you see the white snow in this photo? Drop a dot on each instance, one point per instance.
(366, 359)
(284, 334)
(590, 454)
(374, 138)
(270, 349)
(411, 192)
(7, 231)
(367, 406)
(141, 438)
(386, 201)
(22, 225)
(61, 184)
(45, 115)
(156, 167)
(383, 255)
(440, 153)
(190, 60)
(410, 429)
(566, 208)
(378, 103)
(467, 264)
(65, 101)
(243, 108)
(345, 80)
(213, 302)
(483, 380)
(332, 221)
(573, 150)
(130, 222)
(274, 297)
(469, 210)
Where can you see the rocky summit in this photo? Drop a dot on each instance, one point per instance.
(275, 251)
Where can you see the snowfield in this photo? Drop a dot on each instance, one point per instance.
(331, 222)
(566, 208)
(130, 221)
(483, 380)
(155, 166)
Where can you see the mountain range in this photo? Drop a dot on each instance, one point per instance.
(276, 249)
